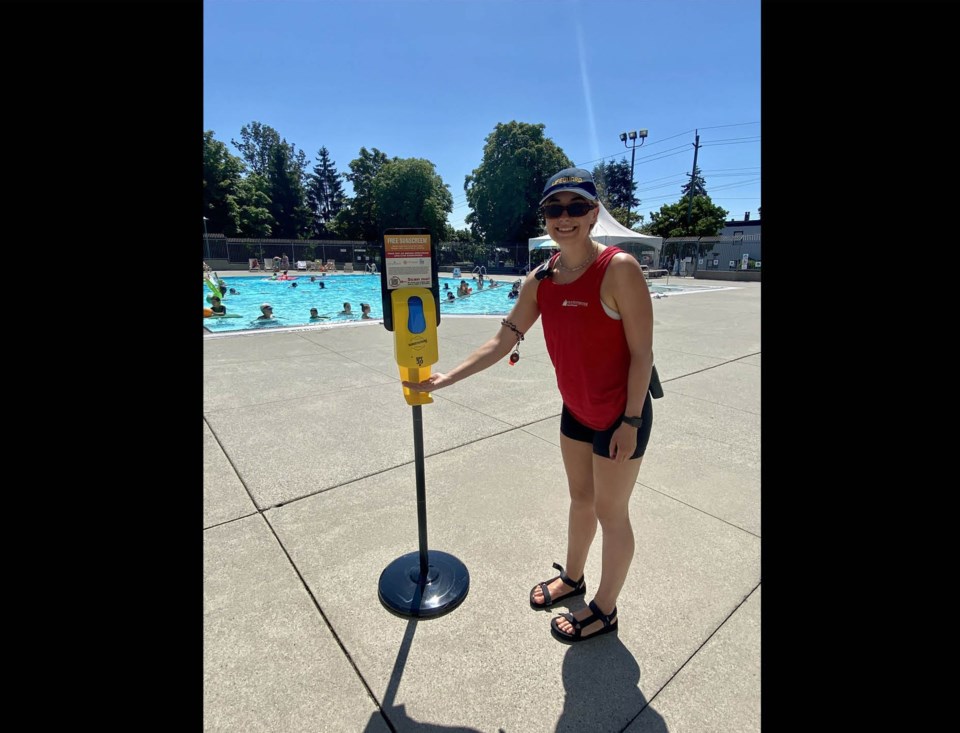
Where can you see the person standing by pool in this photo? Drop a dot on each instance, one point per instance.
(598, 328)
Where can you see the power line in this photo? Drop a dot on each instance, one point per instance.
(713, 170)
(461, 200)
(718, 144)
(724, 139)
(734, 124)
(735, 185)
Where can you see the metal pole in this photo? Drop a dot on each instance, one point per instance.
(206, 238)
(421, 490)
(632, 136)
(693, 174)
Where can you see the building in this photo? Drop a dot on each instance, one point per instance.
(737, 238)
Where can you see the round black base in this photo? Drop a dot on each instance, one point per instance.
(445, 586)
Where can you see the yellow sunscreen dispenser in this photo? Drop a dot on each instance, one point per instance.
(429, 582)
(410, 291)
(414, 338)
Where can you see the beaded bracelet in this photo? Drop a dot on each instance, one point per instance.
(515, 356)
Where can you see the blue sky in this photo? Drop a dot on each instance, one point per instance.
(432, 78)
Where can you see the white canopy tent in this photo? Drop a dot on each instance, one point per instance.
(610, 231)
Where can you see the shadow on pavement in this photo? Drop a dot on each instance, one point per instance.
(397, 714)
(601, 680)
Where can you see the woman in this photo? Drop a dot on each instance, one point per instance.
(598, 327)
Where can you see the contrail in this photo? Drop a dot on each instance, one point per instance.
(584, 77)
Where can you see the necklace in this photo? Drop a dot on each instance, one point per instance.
(561, 266)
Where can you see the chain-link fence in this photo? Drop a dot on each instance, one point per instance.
(508, 258)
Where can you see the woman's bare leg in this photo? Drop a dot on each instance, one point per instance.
(582, 522)
(613, 485)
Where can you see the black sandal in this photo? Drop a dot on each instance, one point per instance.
(579, 588)
(609, 625)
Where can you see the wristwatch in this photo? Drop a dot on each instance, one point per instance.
(633, 422)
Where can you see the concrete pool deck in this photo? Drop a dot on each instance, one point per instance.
(310, 492)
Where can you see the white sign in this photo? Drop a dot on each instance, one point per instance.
(744, 261)
(407, 261)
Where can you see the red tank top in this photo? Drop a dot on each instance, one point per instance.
(587, 347)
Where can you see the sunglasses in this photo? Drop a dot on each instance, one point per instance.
(575, 209)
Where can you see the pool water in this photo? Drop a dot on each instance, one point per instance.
(291, 306)
(658, 291)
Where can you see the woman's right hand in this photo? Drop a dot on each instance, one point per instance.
(436, 381)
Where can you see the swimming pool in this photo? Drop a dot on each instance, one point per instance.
(291, 306)
(658, 291)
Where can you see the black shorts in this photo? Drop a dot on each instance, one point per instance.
(576, 430)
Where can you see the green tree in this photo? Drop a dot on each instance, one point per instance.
(325, 195)
(251, 210)
(616, 190)
(408, 192)
(256, 142)
(464, 235)
(283, 168)
(236, 205)
(699, 185)
(504, 191)
(614, 185)
(706, 219)
(222, 174)
(357, 219)
(286, 171)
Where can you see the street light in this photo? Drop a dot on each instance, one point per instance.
(206, 239)
(632, 136)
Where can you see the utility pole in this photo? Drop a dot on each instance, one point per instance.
(632, 135)
(696, 149)
(206, 239)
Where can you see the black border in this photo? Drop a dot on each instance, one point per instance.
(111, 106)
